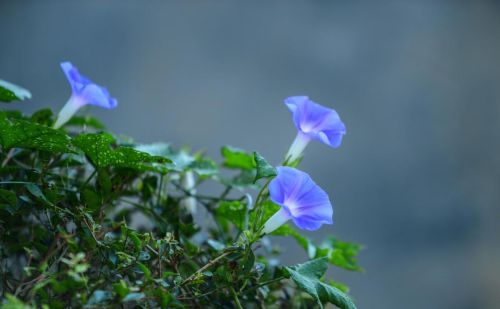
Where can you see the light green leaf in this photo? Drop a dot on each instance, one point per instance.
(14, 303)
(98, 149)
(233, 211)
(10, 92)
(99, 297)
(340, 253)
(264, 169)
(307, 277)
(17, 133)
(133, 297)
(204, 167)
(237, 158)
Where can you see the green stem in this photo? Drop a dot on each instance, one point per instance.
(88, 179)
(236, 300)
(206, 266)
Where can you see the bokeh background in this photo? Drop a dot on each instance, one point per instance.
(417, 179)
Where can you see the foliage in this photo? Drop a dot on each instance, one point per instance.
(88, 220)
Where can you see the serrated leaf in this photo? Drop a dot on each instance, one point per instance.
(307, 277)
(264, 169)
(10, 92)
(18, 133)
(237, 158)
(98, 149)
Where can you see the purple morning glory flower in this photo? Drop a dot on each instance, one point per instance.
(301, 201)
(84, 92)
(313, 121)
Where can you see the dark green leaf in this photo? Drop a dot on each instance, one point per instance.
(17, 133)
(7, 197)
(264, 169)
(98, 149)
(43, 116)
(237, 158)
(10, 92)
(307, 277)
(85, 121)
(37, 192)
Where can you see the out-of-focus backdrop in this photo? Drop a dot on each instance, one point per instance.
(417, 179)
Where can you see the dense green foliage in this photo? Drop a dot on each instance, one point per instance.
(91, 220)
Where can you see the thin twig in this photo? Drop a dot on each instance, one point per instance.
(208, 265)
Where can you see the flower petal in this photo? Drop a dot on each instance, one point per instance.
(77, 81)
(295, 191)
(316, 121)
(98, 96)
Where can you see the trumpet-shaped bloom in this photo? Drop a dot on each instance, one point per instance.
(84, 92)
(301, 201)
(313, 121)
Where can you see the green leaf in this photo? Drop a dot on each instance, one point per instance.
(7, 197)
(37, 192)
(85, 121)
(237, 158)
(304, 242)
(340, 253)
(307, 277)
(233, 211)
(17, 133)
(10, 92)
(14, 303)
(264, 169)
(99, 297)
(204, 167)
(98, 149)
(43, 116)
(133, 297)
(121, 288)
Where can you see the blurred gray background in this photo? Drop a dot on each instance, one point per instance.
(417, 84)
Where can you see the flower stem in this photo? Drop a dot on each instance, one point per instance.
(68, 110)
(299, 144)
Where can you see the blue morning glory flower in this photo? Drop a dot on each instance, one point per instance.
(84, 92)
(313, 121)
(301, 201)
